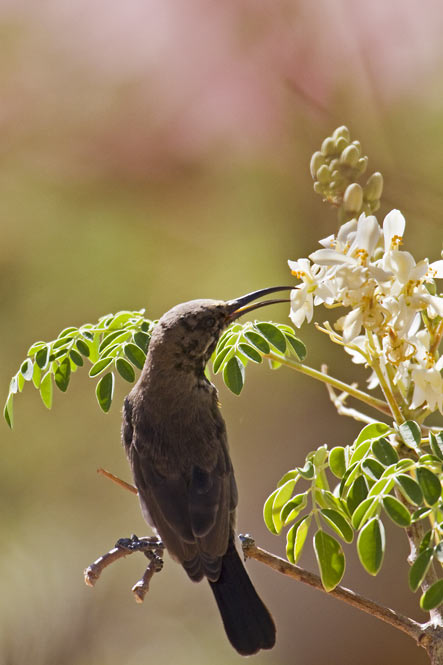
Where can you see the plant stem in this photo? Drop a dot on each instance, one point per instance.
(376, 403)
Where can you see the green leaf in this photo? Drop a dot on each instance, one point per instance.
(35, 347)
(42, 357)
(273, 505)
(419, 569)
(119, 320)
(125, 369)
(372, 468)
(438, 552)
(36, 376)
(8, 411)
(371, 545)
(373, 431)
(273, 335)
(410, 433)
(115, 337)
(27, 369)
(298, 346)
(337, 522)
(420, 514)
(234, 375)
(296, 538)
(258, 341)
(384, 452)
(98, 367)
(436, 442)
(307, 471)
(83, 347)
(430, 485)
(46, 389)
(364, 511)
(398, 513)
(410, 489)
(67, 331)
(76, 358)
(433, 597)
(105, 391)
(360, 452)
(135, 354)
(250, 352)
(142, 340)
(225, 354)
(289, 475)
(337, 461)
(293, 508)
(330, 559)
(62, 375)
(357, 493)
(425, 541)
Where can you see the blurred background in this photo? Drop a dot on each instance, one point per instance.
(156, 151)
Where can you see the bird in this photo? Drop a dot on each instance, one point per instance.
(176, 443)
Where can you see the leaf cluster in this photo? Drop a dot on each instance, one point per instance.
(386, 472)
(116, 344)
(251, 341)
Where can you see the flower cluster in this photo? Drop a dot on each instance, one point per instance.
(394, 319)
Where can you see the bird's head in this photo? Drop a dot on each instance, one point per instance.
(190, 331)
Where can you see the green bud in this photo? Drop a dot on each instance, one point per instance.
(357, 145)
(362, 165)
(341, 132)
(374, 187)
(341, 144)
(353, 198)
(333, 164)
(317, 160)
(431, 287)
(350, 155)
(323, 174)
(318, 188)
(328, 146)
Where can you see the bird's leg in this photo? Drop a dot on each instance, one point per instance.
(151, 547)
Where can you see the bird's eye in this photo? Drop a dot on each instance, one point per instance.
(209, 322)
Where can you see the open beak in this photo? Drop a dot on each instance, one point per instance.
(241, 305)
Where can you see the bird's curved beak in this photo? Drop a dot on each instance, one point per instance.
(241, 305)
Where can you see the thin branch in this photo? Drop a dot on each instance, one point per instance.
(118, 481)
(405, 624)
(339, 402)
(376, 403)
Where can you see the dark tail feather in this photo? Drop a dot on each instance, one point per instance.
(248, 624)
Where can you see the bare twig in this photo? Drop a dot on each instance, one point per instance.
(409, 626)
(118, 481)
(339, 402)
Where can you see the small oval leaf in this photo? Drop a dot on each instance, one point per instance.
(234, 375)
(46, 390)
(83, 347)
(250, 352)
(430, 485)
(258, 341)
(419, 569)
(62, 375)
(135, 355)
(330, 559)
(98, 367)
(125, 370)
(105, 391)
(398, 513)
(384, 452)
(337, 522)
(433, 597)
(337, 461)
(371, 545)
(274, 336)
(410, 489)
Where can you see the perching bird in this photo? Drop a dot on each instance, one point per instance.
(175, 439)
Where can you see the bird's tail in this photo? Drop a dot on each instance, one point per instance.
(247, 622)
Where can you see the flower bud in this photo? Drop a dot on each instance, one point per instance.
(323, 174)
(350, 155)
(342, 131)
(340, 144)
(318, 188)
(374, 187)
(362, 165)
(328, 146)
(317, 160)
(353, 198)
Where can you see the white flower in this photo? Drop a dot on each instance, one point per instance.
(428, 386)
(393, 229)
